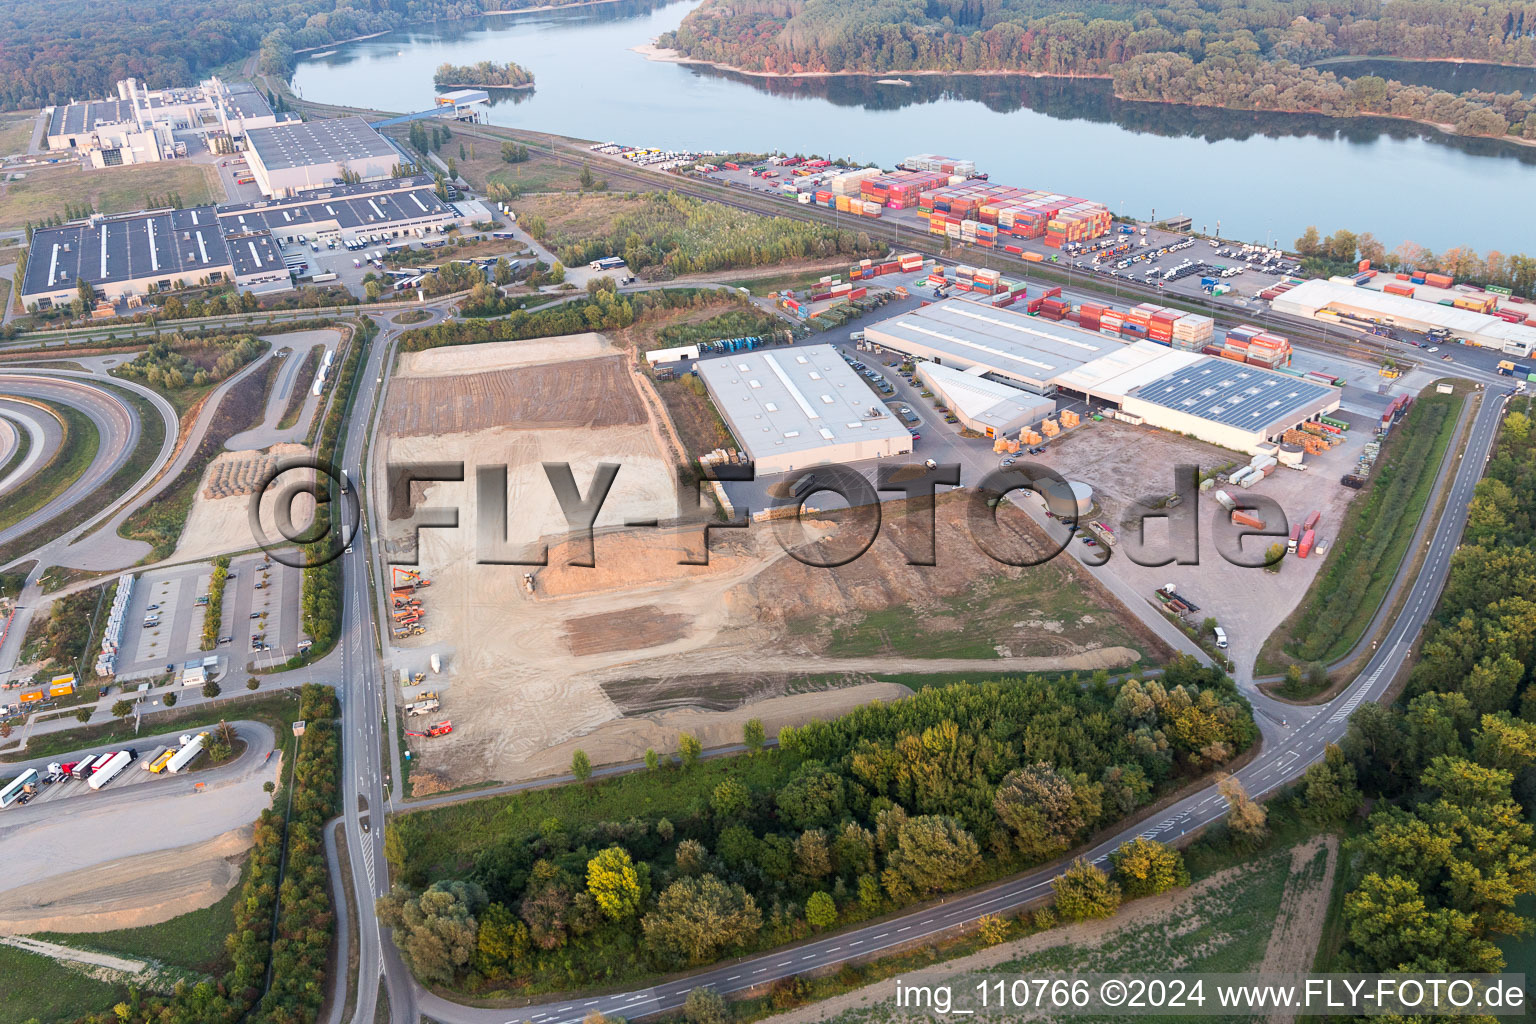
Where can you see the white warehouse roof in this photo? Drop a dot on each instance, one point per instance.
(979, 402)
(1116, 374)
(1479, 328)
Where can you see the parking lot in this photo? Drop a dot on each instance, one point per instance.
(165, 618)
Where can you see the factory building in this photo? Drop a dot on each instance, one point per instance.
(389, 209)
(985, 406)
(1340, 300)
(131, 254)
(240, 243)
(799, 407)
(141, 125)
(295, 157)
(1236, 405)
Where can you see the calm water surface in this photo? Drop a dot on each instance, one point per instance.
(1260, 176)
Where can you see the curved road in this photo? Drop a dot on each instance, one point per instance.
(1288, 750)
(21, 419)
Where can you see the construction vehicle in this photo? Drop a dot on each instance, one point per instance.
(528, 582)
(418, 678)
(401, 632)
(439, 729)
(424, 704)
(405, 578)
(406, 615)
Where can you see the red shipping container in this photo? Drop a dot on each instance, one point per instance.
(1439, 280)
(1402, 277)
(1240, 518)
(1305, 547)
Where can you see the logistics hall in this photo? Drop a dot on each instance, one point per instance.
(1237, 405)
(791, 408)
(1341, 299)
(290, 158)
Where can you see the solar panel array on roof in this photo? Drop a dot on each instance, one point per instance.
(1234, 394)
(367, 205)
(82, 118)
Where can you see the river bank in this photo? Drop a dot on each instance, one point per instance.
(650, 51)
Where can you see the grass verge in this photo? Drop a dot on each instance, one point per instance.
(23, 446)
(300, 391)
(1371, 545)
(81, 443)
(151, 436)
(38, 988)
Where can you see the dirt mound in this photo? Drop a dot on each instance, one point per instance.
(502, 355)
(587, 393)
(630, 559)
(233, 474)
(131, 892)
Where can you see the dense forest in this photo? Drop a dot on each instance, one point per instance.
(1228, 54)
(56, 50)
(1450, 848)
(887, 805)
(485, 73)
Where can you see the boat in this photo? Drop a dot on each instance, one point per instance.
(892, 81)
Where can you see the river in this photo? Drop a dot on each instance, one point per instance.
(1259, 176)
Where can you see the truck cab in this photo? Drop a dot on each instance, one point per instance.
(1221, 637)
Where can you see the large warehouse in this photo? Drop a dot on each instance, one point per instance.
(1237, 405)
(1342, 296)
(791, 408)
(392, 208)
(290, 158)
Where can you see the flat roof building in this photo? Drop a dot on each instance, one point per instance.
(295, 157)
(1341, 296)
(988, 407)
(964, 334)
(126, 255)
(802, 406)
(392, 208)
(1236, 405)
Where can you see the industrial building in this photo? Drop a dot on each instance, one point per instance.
(986, 406)
(980, 353)
(141, 125)
(299, 156)
(389, 209)
(1029, 352)
(1341, 300)
(134, 254)
(792, 408)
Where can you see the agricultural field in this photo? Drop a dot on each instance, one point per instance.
(16, 131)
(38, 988)
(45, 193)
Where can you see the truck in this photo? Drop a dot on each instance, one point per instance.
(82, 768)
(425, 704)
(437, 729)
(1310, 523)
(1512, 369)
(346, 483)
(20, 788)
(111, 768)
(1307, 540)
(1167, 592)
(160, 752)
(191, 746)
(1295, 538)
(156, 764)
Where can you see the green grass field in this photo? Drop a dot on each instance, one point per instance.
(16, 131)
(40, 989)
(42, 194)
(194, 940)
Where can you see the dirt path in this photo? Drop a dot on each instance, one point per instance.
(1303, 908)
(57, 952)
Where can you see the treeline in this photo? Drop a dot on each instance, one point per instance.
(1341, 251)
(233, 996)
(213, 614)
(1246, 55)
(1450, 848)
(669, 234)
(59, 50)
(604, 310)
(489, 74)
(180, 361)
(1249, 82)
(847, 819)
(320, 598)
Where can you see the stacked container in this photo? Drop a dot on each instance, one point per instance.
(1191, 332)
(947, 165)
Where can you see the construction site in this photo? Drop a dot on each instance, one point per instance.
(529, 662)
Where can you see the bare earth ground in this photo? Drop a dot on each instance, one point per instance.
(52, 882)
(526, 676)
(219, 521)
(1125, 463)
(131, 892)
(1291, 946)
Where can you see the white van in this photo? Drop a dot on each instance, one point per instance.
(1221, 637)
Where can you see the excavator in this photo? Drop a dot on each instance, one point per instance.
(440, 729)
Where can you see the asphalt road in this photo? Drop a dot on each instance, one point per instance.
(43, 437)
(1288, 750)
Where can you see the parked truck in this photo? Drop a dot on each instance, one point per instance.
(160, 755)
(111, 768)
(424, 704)
(81, 769)
(191, 746)
(19, 789)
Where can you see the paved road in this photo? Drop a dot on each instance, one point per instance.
(1288, 750)
(42, 432)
